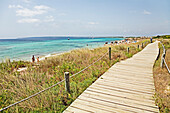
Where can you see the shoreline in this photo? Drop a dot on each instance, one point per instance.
(57, 54)
(48, 47)
(53, 54)
(43, 56)
(120, 42)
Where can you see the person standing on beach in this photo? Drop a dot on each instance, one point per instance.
(33, 59)
(106, 43)
(151, 40)
(111, 43)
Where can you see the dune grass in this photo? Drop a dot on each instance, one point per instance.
(162, 80)
(15, 86)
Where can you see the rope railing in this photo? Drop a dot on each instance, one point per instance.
(52, 85)
(89, 65)
(166, 66)
(163, 59)
(63, 79)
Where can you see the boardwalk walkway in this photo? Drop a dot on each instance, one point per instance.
(127, 87)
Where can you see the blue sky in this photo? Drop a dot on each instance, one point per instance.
(24, 18)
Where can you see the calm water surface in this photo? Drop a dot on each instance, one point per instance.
(24, 48)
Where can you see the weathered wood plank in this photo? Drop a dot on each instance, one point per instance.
(122, 89)
(92, 106)
(125, 85)
(143, 83)
(74, 109)
(130, 77)
(123, 101)
(117, 98)
(144, 75)
(122, 93)
(121, 105)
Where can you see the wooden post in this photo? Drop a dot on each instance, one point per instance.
(158, 54)
(67, 82)
(109, 53)
(127, 49)
(162, 59)
(142, 45)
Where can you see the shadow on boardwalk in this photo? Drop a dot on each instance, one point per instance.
(126, 87)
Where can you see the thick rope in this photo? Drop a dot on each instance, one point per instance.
(89, 65)
(166, 66)
(164, 52)
(51, 86)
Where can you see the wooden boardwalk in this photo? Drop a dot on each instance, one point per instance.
(126, 87)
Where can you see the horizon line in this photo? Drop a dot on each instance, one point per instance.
(83, 36)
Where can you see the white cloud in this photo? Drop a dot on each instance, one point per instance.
(15, 6)
(25, 12)
(41, 7)
(28, 20)
(49, 19)
(29, 13)
(93, 23)
(146, 12)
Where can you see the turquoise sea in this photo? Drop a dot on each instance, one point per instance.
(24, 48)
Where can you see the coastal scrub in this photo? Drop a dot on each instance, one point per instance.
(15, 86)
(162, 79)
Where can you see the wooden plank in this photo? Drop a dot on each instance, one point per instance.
(143, 83)
(128, 76)
(122, 72)
(119, 104)
(136, 65)
(66, 111)
(134, 70)
(118, 98)
(74, 109)
(122, 89)
(139, 70)
(122, 101)
(125, 85)
(93, 106)
(122, 93)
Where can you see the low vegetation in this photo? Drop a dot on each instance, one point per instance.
(15, 86)
(162, 37)
(162, 79)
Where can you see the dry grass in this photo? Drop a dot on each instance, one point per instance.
(15, 86)
(162, 81)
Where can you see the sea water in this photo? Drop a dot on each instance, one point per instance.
(24, 48)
